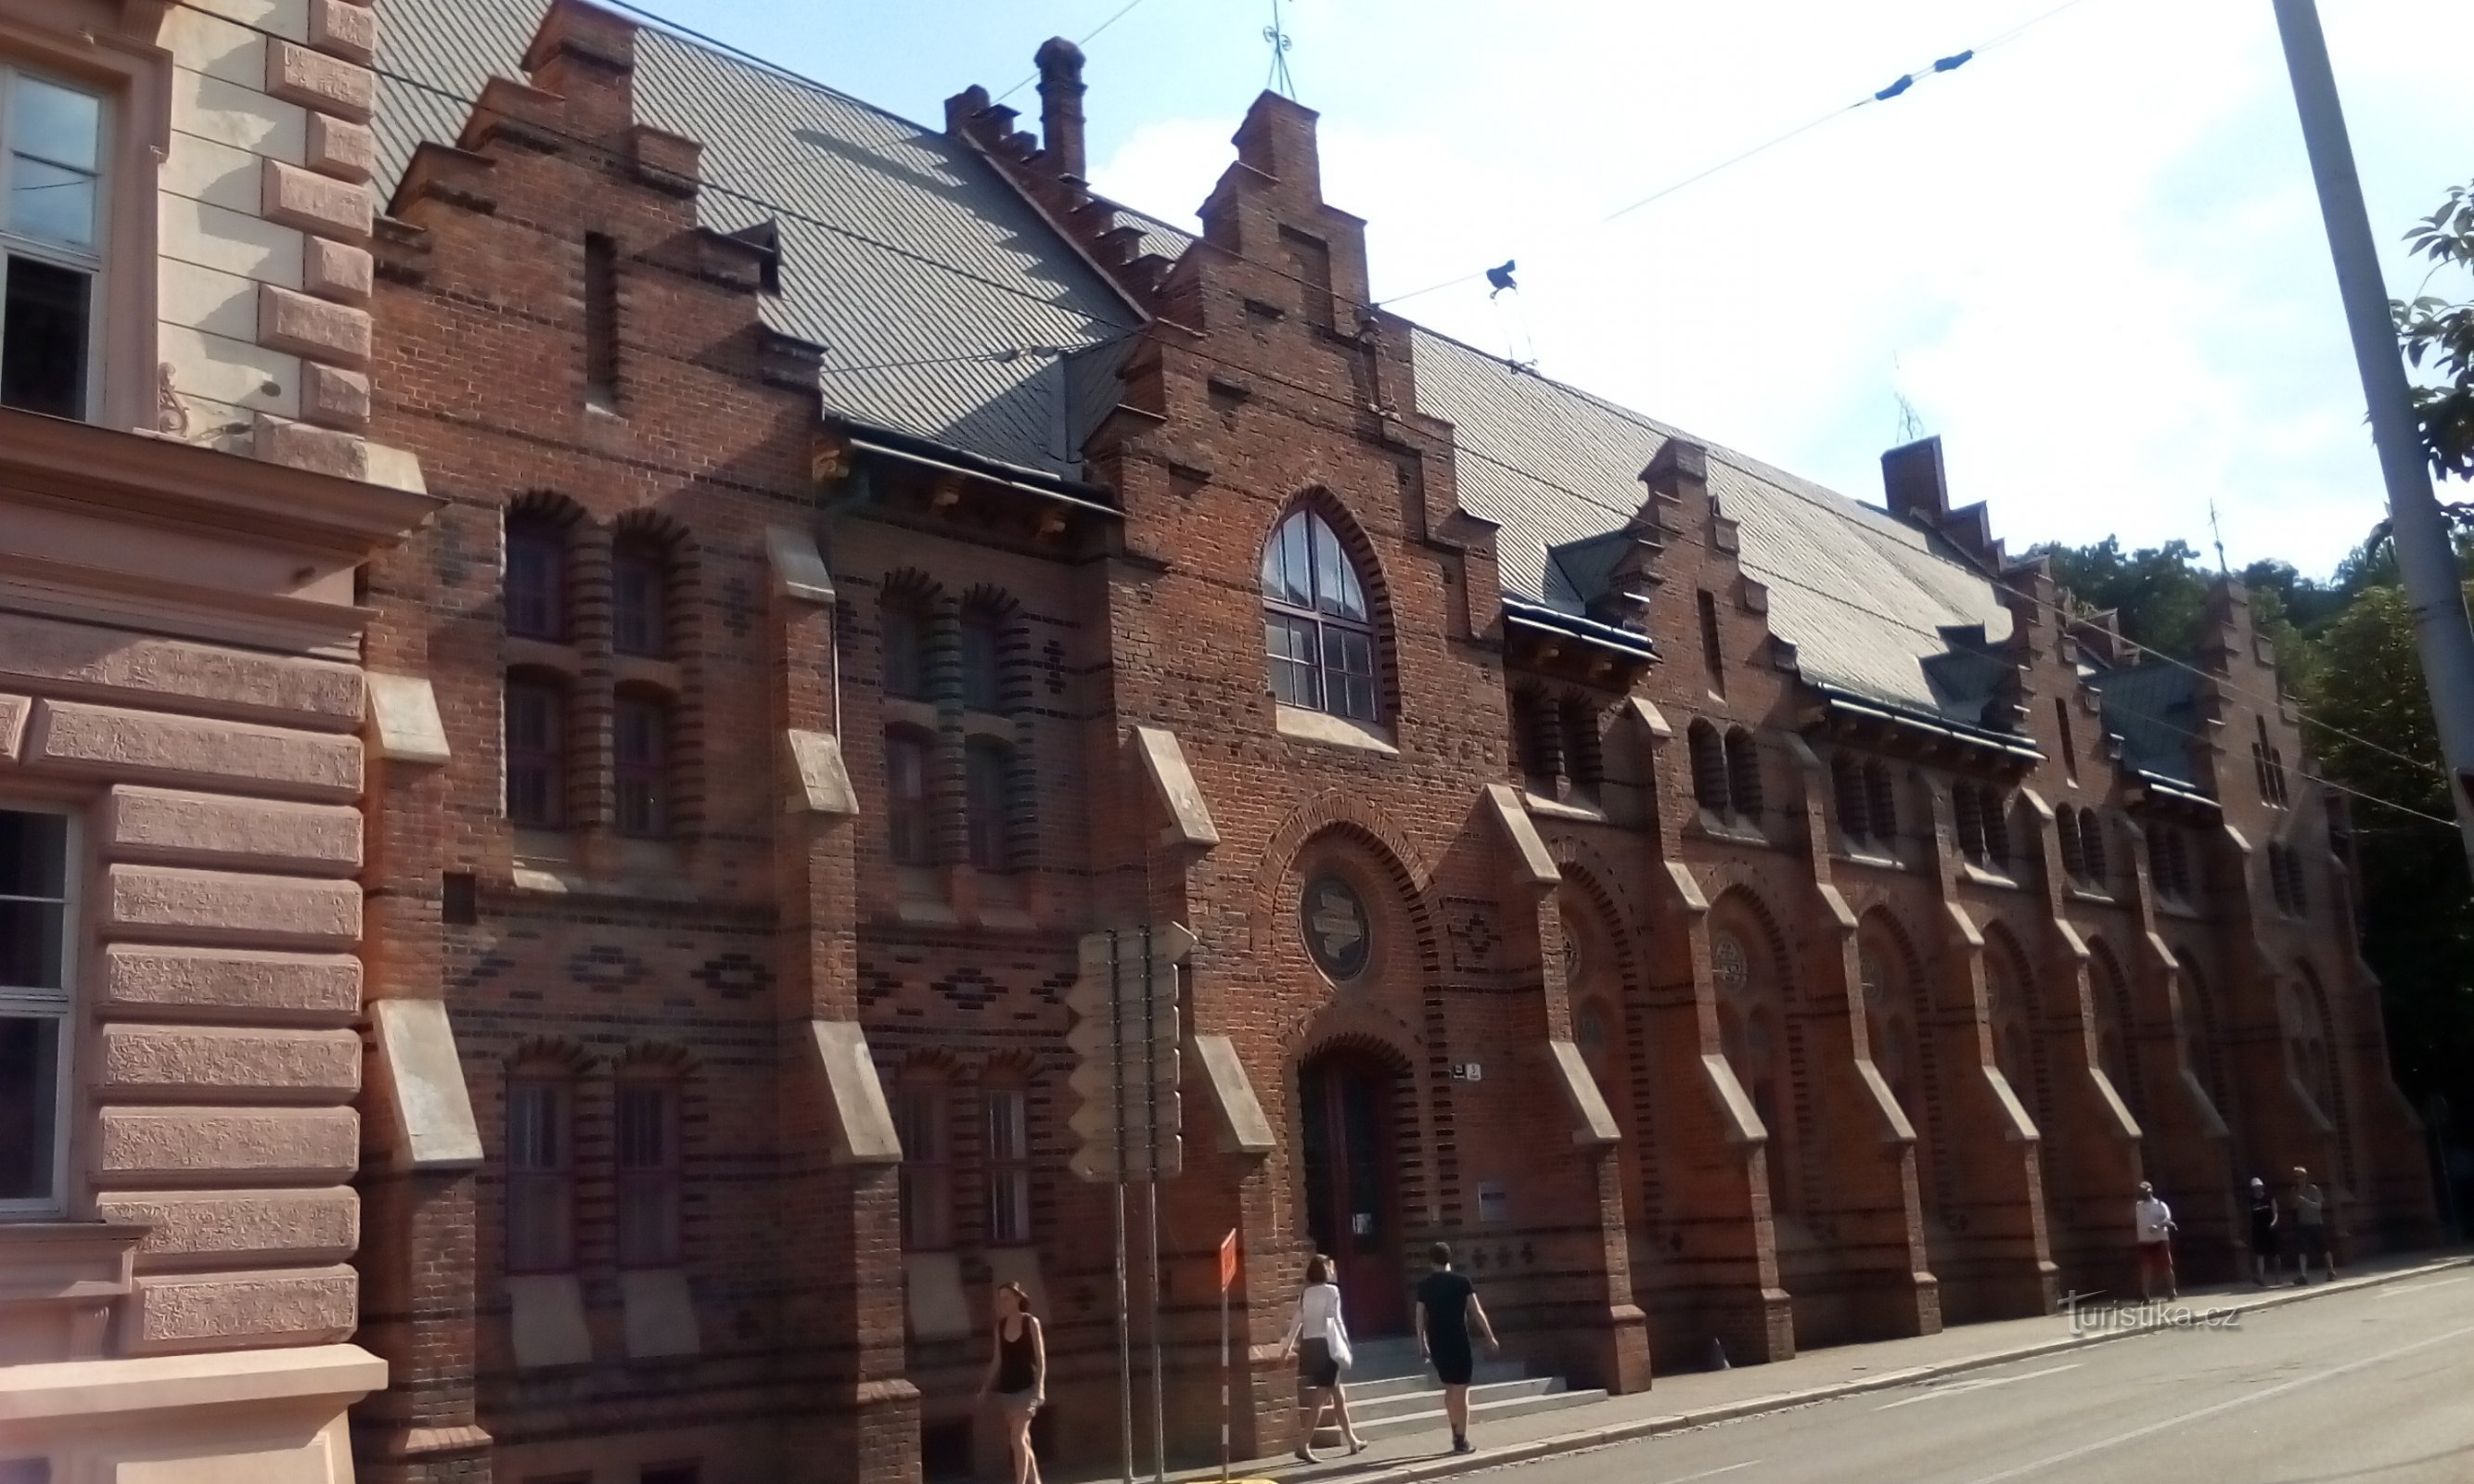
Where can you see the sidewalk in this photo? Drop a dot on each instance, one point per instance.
(1693, 1399)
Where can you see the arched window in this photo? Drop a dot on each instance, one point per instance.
(541, 1170)
(1881, 794)
(1534, 737)
(639, 754)
(1579, 735)
(2066, 831)
(2091, 853)
(647, 1168)
(982, 638)
(1318, 629)
(985, 763)
(533, 589)
(1708, 767)
(1593, 1033)
(639, 577)
(923, 1106)
(910, 821)
(535, 718)
(1743, 773)
(1854, 804)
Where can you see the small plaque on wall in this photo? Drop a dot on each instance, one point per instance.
(1494, 1203)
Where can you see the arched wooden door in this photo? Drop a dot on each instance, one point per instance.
(1352, 1183)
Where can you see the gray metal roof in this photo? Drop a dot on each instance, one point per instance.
(1864, 598)
(899, 245)
(2154, 708)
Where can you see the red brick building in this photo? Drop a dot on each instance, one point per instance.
(1724, 910)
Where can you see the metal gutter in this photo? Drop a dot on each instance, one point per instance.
(1536, 616)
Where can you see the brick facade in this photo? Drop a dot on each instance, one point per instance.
(1864, 1076)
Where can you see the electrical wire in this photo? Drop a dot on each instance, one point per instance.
(1128, 9)
(1459, 447)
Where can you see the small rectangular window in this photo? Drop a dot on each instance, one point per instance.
(541, 1196)
(985, 765)
(536, 758)
(910, 835)
(1713, 658)
(648, 1174)
(1009, 1167)
(926, 1182)
(640, 757)
(36, 976)
(905, 661)
(983, 671)
(600, 320)
(1297, 676)
(2070, 744)
(534, 587)
(637, 578)
(50, 225)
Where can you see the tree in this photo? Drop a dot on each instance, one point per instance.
(2159, 592)
(2416, 913)
(2440, 331)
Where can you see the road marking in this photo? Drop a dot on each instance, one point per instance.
(1711, 1473)
(2186, 1419)
(1975, 1383)
(2416, 1288)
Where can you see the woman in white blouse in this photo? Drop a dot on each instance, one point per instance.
(1319, 1339)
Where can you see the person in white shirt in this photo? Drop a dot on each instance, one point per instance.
(2153, 1220)
(1319, 1339)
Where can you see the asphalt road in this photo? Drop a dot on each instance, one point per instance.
(2372, 1387)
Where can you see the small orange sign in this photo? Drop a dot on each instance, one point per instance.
(1229, 1261)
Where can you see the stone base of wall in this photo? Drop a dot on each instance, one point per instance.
(272, 1416)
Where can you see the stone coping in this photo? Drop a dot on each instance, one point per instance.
(61, 1391)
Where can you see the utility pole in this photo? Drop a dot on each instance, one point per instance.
(2425, 557)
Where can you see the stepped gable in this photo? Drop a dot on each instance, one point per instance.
(875, 215)
(1874, 605)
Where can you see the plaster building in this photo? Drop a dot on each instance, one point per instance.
(1726, 909)
(187, 730)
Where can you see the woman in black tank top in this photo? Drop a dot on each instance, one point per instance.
(1018, 1374)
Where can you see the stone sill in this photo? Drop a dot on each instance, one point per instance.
(2091, 896)
(153, 1383)
(1847, 855)
(1984, 877)
(1561, 808)
(1728, 829)
(1299, 725)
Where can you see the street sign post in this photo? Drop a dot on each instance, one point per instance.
(1228, 1281)
(1127, 1117)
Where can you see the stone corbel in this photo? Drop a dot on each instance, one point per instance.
(1243, 1130)
(799, 572)
(817, 781)
(863, 1126)
(405, 723)
(421, 1078)
(1735, 1112)
(1181, 798)
(1597, 1122)
(1533, 864)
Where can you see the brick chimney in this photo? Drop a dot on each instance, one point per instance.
(1912, 477)
(1061, 106)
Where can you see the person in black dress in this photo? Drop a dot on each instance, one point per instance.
(1018, 1374)
(1447, 1312)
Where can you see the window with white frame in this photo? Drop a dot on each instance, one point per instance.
(37, 924)
(51, 239)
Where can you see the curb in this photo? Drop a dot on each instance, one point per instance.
(1451, 1464)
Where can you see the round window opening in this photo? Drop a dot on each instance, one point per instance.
(1337, 933)
(1726, 961)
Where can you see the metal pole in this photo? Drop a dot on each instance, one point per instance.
(1124, 1320)
(1225, 1405)
(2425, 557)
(1150, 1194)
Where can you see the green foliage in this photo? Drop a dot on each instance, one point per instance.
(2159, 592)
(2417, 912)
(2438, 336)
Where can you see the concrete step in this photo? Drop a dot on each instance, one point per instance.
(1362, 1387)
(1410, 1403)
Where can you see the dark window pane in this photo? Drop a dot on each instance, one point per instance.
(982, 672)
(636, 593)
(50, 201)
(538, 1196)
(536, 760)
(984, 792)
(59, 124)
(30, 1071)
(1295, 678)
(640, 752)
(33, 854)
(600, 320)
(43, 338)
(906, 783)
(905, 672)
(30, 945)
(536, 576)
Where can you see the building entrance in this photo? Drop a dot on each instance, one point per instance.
(1352, 1189)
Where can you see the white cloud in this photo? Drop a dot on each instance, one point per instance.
(2092, 256)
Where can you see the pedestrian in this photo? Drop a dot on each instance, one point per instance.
(1319, 1339)
(2309, 1230)
(1018, 1374)
(2263, 1233)
(2153, 1223)
(1447, 1310)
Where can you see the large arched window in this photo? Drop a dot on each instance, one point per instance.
(1318, 631)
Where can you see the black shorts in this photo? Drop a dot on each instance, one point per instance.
(1316, 1366)
(1453, 1363)
(2311, 1241)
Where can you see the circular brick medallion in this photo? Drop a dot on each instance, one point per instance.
(1337, 931)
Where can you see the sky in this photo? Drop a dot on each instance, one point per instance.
(2090, 259)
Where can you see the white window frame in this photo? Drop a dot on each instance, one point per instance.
(1007, 1161)
(94, 261)
(61, 1007)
